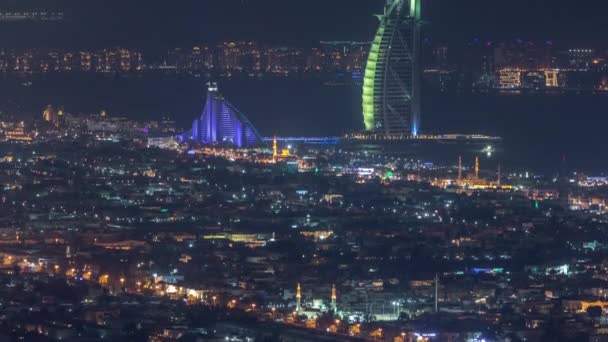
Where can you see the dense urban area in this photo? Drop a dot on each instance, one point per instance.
(412, 185)
(515, 65)
(110, 232)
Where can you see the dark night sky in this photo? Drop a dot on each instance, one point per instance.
(162, 23)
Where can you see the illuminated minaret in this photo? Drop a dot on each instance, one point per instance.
(459, 168)
(562, 183)
(298, 299)
(498, 180)
(436, 292)
(274, 149)
(476, 167)
(334, 306)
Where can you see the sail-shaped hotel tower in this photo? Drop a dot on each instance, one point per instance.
(222, 123)
(391, 87)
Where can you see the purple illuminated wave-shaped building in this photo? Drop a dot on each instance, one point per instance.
(222, 123)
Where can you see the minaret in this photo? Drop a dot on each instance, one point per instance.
(298, 299)
(436, 292)
(562, 185)
(334, 306)
(274, 149)
(459, 168)
(499, 175)
(476, 167)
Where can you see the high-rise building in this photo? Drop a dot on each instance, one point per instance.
(551, 78)
(49, 114)
(85, 61)
(36, 16)
(391, 88)
(125, 60)
(344, 56)
(222, 123)
(580, 58)
(440, 56)
(534, 79)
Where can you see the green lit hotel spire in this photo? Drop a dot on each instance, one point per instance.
(391, 87)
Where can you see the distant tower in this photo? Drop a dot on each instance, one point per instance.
(274, 149)
(298, 299)
(459, 168)
(334, 306)
(476, 167)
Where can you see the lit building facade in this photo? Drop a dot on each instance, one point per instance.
(509, 78)
(391, 87)
(551, 78)
(222, 123)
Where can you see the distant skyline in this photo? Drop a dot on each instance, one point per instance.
(162, 24)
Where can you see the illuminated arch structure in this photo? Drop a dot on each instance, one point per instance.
(222, 123)
(391, 87)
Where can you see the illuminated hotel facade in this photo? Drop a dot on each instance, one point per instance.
(391, 87)
(222, 123)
